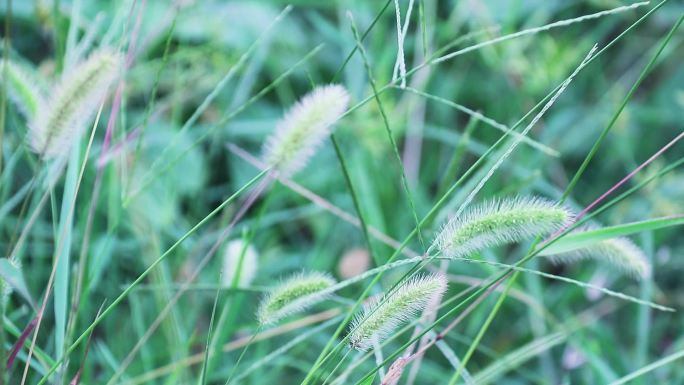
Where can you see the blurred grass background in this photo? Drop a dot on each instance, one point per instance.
(501, 81)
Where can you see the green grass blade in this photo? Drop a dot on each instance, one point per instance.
(574, 241)
(649, 368)
(147, 271)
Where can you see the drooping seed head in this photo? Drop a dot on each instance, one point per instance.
(304, 127)
(72, 104)
(378, 319)
(23, 89)
(498, 222)
(293, 295)
(238, 255)
(620, 252)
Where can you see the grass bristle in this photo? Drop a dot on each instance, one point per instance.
(620, 252)
(72, 103)
(498, 222)
(379, 319)
(293, 295)
(23, 89)
(304, 127)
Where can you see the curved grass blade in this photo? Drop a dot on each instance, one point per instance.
(579, 240)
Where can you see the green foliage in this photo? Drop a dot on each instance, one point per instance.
(119, 258)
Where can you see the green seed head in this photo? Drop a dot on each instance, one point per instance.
(304, 127)
(72, 104)
(499, 222)
(620, 252)
(379, 319)
(23, 89)
(293, 295)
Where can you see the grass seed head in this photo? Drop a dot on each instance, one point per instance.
(499, 222)
(378, 319)
(304, 127)
(293, 295)
(72, 104)
(620, 252)
(22, 88)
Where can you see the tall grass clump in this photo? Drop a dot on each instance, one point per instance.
(378, 319)
(350, 291)
(72, 102)
(293, 295)
(498, 222)
(304, 127)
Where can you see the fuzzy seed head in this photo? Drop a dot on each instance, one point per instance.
(620, 252)
(304, 127)
(498, 222)
(72, 104)
(23, 89)
(232, 254)
(293, 295)
(378, 319)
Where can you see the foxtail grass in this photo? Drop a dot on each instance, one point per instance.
(378, 319)
(498, 222)
(72, 103)
(304, 127)
(293, 295)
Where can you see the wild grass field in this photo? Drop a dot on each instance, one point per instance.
(341, 192)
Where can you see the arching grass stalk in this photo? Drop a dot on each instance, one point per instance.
(388, 130)
(430, 60)
(85, 243)
(411, 261)
(532, 31)
(242, 60)
(481, 226)
(572, 184)
(227, 323)
(287, 150)
(225, 119)
(284, 348)
(147, 271)
(244, 207)
(518, 264)
(325, 353)
(60, 245)
(203, 374)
